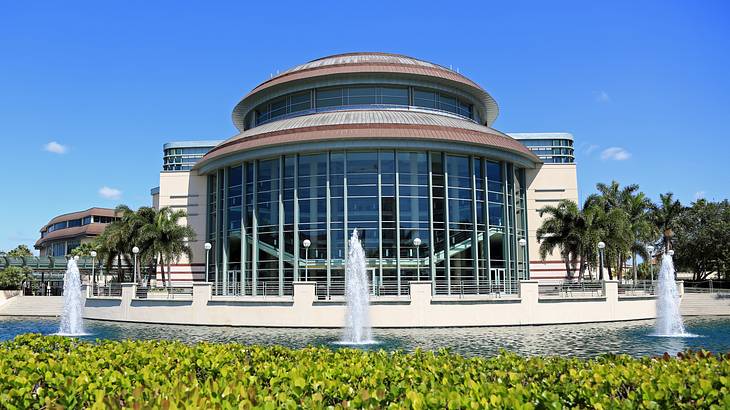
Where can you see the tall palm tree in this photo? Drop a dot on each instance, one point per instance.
(637, 207)
(665, 216)
(166, 239)
(562, 229)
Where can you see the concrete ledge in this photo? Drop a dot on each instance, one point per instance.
(419, 309)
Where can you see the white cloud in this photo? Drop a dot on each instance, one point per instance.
(615, 154)
(699, 195)
(55, 148)
(602, 97)
(589, 149)
(110, 193)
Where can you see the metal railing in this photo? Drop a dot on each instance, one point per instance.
(171, 292)
(263, 288)
(707, 286)
(463, 288)
(111, 289)
(637, 288)
(570, 288)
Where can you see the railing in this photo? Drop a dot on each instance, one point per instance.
(263, 288)
(337, 289)
(463, 288)
(111, 289)
(172, 292)
(570, 288)
(707, 286)
(637, 288)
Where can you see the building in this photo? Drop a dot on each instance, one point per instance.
(554, 180)
(65, 232)
(398, 148)
(551, 148)
(182, 155)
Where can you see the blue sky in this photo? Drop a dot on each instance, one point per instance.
(643, 86)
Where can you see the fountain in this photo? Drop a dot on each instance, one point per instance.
(357, 328)
(71, 321)
(669, 320)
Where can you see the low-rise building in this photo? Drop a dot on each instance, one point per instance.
(65, 232)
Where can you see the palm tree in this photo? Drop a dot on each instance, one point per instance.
(562, 229)
(637, 208)
(166, 239)
(665, 216)
(113, 244)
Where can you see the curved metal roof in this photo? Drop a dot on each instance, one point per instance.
(364, 64)
(367, 124)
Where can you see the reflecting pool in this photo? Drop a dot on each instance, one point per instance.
(582, 340)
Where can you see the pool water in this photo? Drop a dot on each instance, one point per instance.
(581, 340)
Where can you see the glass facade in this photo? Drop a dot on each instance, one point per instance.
(468, 211)
(551, 151)
(332, 98)
(183, 158)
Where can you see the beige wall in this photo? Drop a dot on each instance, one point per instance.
(420, 309)
(186, 191)
(547, 185)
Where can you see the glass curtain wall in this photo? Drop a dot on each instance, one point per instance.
(290, 218)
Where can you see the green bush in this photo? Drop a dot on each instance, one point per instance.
(53, 372)
(11, 277)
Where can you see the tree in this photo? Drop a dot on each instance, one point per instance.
(20, 251)
(84, 249)
(159, 235)
(637, 207)
(561, 230)
(12, 277)
(665, 216)
(167, 239)
(702, 239)
(614, 222)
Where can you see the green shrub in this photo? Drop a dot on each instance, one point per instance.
(51, 372)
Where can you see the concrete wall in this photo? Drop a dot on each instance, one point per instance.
(186, 191)
(7, 294)
(547, 185)
(420, 309)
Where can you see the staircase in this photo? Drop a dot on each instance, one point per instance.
(705, 304)
(32, 306)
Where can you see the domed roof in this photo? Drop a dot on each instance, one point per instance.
(366, 63)
(362, 58)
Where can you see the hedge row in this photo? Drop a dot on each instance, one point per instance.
(48, 371)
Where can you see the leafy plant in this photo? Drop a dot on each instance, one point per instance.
(52, 372)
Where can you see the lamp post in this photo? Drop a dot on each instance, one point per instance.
(307, 243)
(207, 247)
(522, 242)
(93, 274)
(135, 251)
(417, 244)
(650, 250)
(601, 247)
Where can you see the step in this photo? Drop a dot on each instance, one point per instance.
(33, 306)
(702, 304)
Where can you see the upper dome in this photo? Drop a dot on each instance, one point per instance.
(361, 58)
(367, 68)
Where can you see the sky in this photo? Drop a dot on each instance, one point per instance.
(89, 91)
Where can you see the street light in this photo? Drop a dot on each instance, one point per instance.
(417, 243)
(135, 251)
(93, 274)
(522, 242)
(650, 249)
(601, 247)
(207, 247)
(307, 243)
